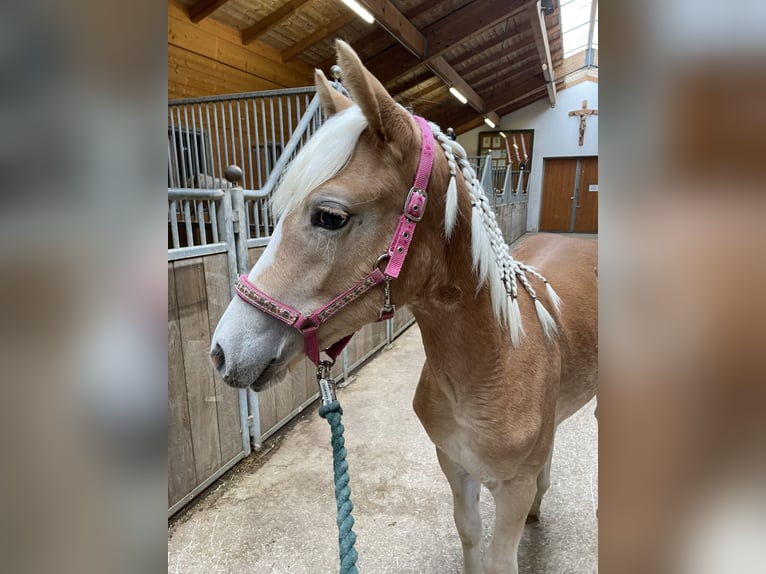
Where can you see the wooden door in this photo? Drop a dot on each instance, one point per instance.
(586, 208)
(570, 195)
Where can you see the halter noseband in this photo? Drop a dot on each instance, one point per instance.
(308, 325)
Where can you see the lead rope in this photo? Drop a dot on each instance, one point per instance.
(331, 411)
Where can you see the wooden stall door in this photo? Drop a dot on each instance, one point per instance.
(558, 186)
(570, 195)
(586, 217)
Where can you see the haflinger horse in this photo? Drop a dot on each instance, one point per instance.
(507, 357)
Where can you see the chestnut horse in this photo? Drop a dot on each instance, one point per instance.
(507, 358)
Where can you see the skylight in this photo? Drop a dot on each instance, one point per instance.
(579, 23)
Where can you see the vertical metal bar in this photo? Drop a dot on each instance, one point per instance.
(201, 222)
(188, 149)
(249, 148)
(290, 116)
(182, 167)
(257, 143)
(344, 358)
(203, 140)
(243, 419)
(213, 219)
(233, 141)
(281, 127)
(175, 143)
(255, 416)
(210, 167)
(241, 163)
(247, 218)
(195, 148)
(174, 224)
(225, 138)
(170, 166)
(187, 222)
(266, 159)
(273, 133)
(226, 225)
(217, 142)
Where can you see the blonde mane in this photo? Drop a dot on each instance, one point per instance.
(335, 142)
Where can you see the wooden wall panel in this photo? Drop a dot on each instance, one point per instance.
(191, 296)
(208, 59)
(182, 477)
(226, 397)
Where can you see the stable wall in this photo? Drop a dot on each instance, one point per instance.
(556, 135)
(209, 59)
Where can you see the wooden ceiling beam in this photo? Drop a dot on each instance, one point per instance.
(398, 25)
(328, 30)
(458, 27)
(204, 8)
(540, 34)
(249, 35)
(447, 73)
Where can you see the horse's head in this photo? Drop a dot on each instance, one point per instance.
(338, 206)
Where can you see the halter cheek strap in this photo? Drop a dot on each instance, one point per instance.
(308, 325)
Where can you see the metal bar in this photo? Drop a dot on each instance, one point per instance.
(265, 137)
(244, 95)
(254, 418)
(233, 141)
(226, 225)
(188, 148)
(196, 251)
(187, 222)
(257, 149)
(217, 142)
(174, 143)
(174, 224)
(213, 219)
(281, 125)
(224, 137)
(244, 422)
(170, 165)
(201, 222)
(209, 140)
(187, 193)
(273, 132)
(241, 163)
(249, 148)
(181, 132)
(258, 242)
(195, 155)
(290, 116)
(203, 137)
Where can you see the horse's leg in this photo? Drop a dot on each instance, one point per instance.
(543, 483)
(465, 495)
(513, 499)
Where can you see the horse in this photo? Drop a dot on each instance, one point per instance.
(507, 356)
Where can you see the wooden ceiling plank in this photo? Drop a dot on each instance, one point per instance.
(262, 26)
(204, 8)
(328, 30)
(540, 34)
(397, 24)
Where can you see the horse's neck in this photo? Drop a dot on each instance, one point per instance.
(461, 337)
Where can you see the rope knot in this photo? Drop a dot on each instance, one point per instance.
(333, 407)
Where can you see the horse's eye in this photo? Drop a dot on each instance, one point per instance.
(329, 219)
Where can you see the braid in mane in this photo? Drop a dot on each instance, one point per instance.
(491, 255)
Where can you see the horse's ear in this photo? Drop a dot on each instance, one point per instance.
(331, 100)
(384, 116)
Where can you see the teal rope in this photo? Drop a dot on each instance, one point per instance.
(346, 537)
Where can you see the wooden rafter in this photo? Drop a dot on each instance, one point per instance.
(328, 30)
(398, 25)
(263, 25)
(458, 27)
(540, 34)
(204, 8)
(442, 69)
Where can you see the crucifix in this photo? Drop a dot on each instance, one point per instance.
(583, 112)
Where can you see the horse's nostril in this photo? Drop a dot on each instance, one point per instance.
(217, 358)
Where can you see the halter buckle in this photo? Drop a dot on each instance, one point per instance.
(415, 205)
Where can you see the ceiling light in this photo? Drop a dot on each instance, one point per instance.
(489, 122)
(502, 135)
(362, 12)
(458, 95)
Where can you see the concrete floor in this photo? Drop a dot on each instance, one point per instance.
(280, 518)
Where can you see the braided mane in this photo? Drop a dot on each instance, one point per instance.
(491, 255)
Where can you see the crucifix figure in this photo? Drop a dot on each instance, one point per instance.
(583, 112)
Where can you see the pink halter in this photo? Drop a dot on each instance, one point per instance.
(414, 207)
